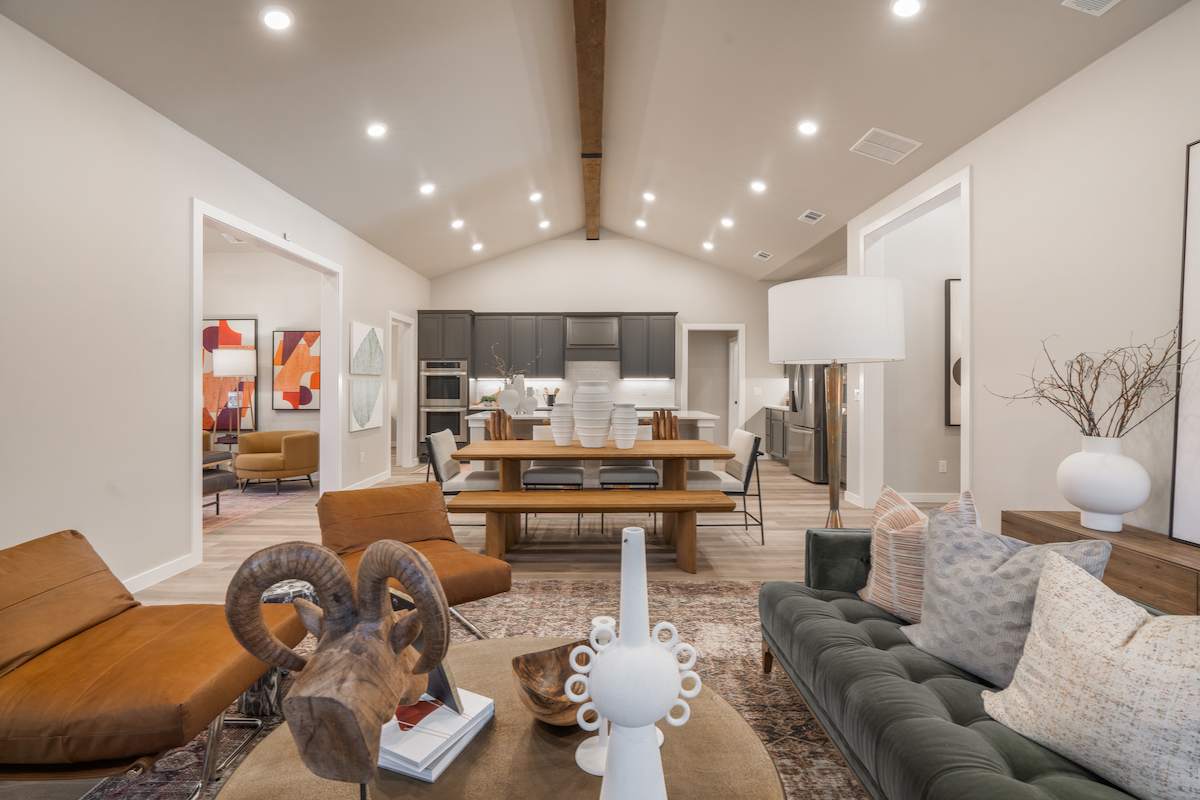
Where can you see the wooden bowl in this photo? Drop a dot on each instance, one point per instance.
(540, 679)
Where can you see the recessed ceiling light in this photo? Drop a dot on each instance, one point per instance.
(727, 222)
(427, 188)
(477, 246)
(376, 129)
(641, 223)
(708, 245)
(458, 223)
(276, 17)
(906, 8)
(544, 223)
(648, 197)
(808, 128)
(758, 186)
(535, 196)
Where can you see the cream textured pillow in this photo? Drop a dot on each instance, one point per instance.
(897, 578)
(1108, 686)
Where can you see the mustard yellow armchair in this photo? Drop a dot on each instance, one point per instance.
(267, 455)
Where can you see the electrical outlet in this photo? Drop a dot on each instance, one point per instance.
(858, 394)
(362, 459)
(758, 390)
(941, 466)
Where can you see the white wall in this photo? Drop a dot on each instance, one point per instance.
(623, 275)
(96, 243)
(1076, 232)
(708, 378)
(923, 252)
(282, 296)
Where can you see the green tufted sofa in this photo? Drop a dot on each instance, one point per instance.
(912, 727)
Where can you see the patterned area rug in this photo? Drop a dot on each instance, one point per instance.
(720, 618)
(236, 504)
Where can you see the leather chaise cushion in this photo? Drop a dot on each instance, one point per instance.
(464, 575)
(353, 520)
(914, 722)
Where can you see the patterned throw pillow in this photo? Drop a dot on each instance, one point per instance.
(979, 592)
(897, 578)
(1108, 686)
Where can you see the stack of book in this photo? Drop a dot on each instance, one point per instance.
(423, 739)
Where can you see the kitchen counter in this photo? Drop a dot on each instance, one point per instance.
(548, 408)
(544, 413)
(777, 408)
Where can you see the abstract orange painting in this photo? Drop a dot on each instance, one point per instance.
(218, 412)
(296, 368)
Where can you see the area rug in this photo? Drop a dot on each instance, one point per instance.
(720, 618)
(237, 505)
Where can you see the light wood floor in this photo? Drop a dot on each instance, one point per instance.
(552, 550)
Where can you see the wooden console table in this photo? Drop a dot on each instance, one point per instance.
(1144, 565)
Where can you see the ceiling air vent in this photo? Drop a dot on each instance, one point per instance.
(884, 146)
(1093, 7)
(232, 239)
(763, 255)
(811, 217)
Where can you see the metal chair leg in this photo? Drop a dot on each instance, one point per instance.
(478, 634)
(218, 504)
(277, 482)
(212, 748)
(310, 483)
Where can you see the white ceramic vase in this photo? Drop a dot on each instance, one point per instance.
(1102, 483)
(509, 399)
(632, 681)
(530, 403)
(624, 425)
(593, 405)
(562, 424)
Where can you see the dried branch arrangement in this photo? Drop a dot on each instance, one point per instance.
(505, 371)
(1103, 393)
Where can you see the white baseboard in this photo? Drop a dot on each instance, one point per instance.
(853, 499)
(158, 574)
(371, 481)
(929, 497)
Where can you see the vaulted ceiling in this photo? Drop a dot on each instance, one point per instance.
(701, 98)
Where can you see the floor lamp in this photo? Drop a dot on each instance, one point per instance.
(239, 363)
(838, 320)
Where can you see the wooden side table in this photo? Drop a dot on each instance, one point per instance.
(1145, 566)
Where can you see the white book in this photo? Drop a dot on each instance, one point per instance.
(429, 730)
(436, 767)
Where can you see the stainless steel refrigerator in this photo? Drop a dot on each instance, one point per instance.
(807, 443)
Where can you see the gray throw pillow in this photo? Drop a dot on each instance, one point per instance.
(979, 593)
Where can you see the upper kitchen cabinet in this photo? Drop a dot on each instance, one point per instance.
(491, 339)
(552, 341)
(648, 346)
(536, 343)
(443, 335)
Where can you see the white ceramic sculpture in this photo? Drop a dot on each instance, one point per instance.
(1102, 483)
(509, 399)
(624, 425)
(562, 424)
(593, 406)
(632, 681)
(530, 403)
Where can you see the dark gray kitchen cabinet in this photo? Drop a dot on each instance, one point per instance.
(429, 336)
(490, 337)
(648, 346)
(522, 343)
(551, 343)
(443, 335)
(776, 444)
(661, 347)
(536, 342)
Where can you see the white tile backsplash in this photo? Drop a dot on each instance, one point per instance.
(638, 392)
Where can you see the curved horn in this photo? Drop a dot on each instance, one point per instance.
(318, 565)
(391, 559)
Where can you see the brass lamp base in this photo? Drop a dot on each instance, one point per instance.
(833, 430)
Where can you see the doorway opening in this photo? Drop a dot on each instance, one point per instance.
(402, 394)
(712, 374)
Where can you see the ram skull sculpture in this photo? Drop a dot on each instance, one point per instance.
(364, 664)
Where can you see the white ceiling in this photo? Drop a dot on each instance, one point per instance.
(701, 98)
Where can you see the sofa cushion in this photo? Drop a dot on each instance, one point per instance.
(353, 520)
(259, 462)
(51, 589)
(915, 724)
(1105, 684)
(979, 593)
(138, 683)
(464, 575)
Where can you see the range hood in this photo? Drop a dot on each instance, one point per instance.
(593, 338)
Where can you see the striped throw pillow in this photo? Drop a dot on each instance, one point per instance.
(897, 578)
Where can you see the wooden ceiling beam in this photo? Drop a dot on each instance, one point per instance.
(589, 63)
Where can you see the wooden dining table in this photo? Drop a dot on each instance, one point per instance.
(504, 511)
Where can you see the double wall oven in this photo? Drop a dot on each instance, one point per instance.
(444, 395)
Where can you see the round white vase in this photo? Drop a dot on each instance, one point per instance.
(592, 404)
(624, 425)
(1102, 483)
(562, 424)
(509, 399)
(529, 404)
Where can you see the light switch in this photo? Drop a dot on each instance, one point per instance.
(858, 394)
(758, 390)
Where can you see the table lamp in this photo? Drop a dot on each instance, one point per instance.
(236, 362)
(838, 320)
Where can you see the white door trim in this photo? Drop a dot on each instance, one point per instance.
(405, 363)
(737, 328)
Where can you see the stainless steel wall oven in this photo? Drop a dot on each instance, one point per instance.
(444, 384)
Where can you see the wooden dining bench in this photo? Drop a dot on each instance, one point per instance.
(682, 505)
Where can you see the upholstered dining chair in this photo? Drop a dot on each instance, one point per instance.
(734, 480)
(560, 474)
(636, 473)
(448, 473)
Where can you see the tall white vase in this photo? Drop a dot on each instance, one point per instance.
(509, 399)
(562, 424)
(634, 680)
(1102, 483)
(593, 406)
(625, 425)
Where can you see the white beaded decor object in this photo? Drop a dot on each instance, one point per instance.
(632, 681)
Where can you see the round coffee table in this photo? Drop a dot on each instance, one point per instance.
(715, 756)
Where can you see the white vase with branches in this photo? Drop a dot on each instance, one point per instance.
(1103, 394)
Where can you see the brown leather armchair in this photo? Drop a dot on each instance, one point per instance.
(266, 455)
(93, 683)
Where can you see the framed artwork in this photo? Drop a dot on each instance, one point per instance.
(366, 406)
(366, 349)
(1185, 500)
(296, 370)
(217, 415)
(954, 316)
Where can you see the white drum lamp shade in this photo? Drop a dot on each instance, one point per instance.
(234, 362)
(853, 319)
